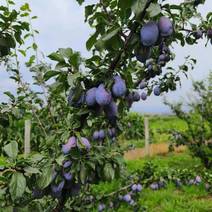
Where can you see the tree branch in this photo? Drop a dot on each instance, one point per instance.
(116, 60)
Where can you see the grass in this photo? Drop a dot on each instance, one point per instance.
(159, 125)
(170, 199)
(187, 199)
(171, 160)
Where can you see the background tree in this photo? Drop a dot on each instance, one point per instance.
(199, 133)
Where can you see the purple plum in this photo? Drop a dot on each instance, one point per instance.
(139, 187)
(37, 193)
(103, 97)
(67, 176)
(101, 134)
(127, 198)
(157, 91)
(143, 54)
(136, 96)
(198, 34)
(143, 84)
(111, 110)
(90, 97)
(209, 33)
(165, 26)
(86, 143)
(134, 187)
(101, 207)
(162, 58)
(119, 87)
(149, 34)
(72, 142)
(144, 96)
(67, 164)
(154, 186)
(198, 180)
(96, 135)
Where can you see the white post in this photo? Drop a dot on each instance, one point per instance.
(27, 137)
(146, 132)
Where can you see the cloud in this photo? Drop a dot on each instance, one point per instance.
(61, 24)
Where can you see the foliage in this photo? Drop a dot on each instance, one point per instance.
(65, 115)
(199, 123)
(133, 126)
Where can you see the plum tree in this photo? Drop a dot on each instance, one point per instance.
(149, 34)
(133, 41)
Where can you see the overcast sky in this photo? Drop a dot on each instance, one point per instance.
(61, 24)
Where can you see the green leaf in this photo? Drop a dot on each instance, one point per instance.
(138, 6)
(25, 7)
(56, 57)
(31, 170)
(46, 177)
(154, 9)
(50, 74)
(111, 34)
(80, 2)
(17, 185)
(91, 41)
(11, 149)
(83, 173)
(88, 11)
(109, 172)
(125, 4)
(60, 160)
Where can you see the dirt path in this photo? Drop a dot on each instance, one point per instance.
(155, 149)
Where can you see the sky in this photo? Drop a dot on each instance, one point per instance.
(61, 24)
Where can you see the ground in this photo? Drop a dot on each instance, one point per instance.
(170, 199)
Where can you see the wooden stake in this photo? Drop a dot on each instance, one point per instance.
(146, 132)
(27, 137)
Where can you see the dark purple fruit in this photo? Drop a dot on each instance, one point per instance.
(144, 96)
(149, 34)
(165, 26)
(157, 91)
(119, 87)
(103, 97)
(143, 53)
(90, 97)
(72, 142)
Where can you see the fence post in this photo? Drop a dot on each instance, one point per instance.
(146, 132)
(27, 133)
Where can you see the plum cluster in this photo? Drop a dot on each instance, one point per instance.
(198, 34)
(61, 181)
(154, 34)
(101, 134)
(73, 142)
